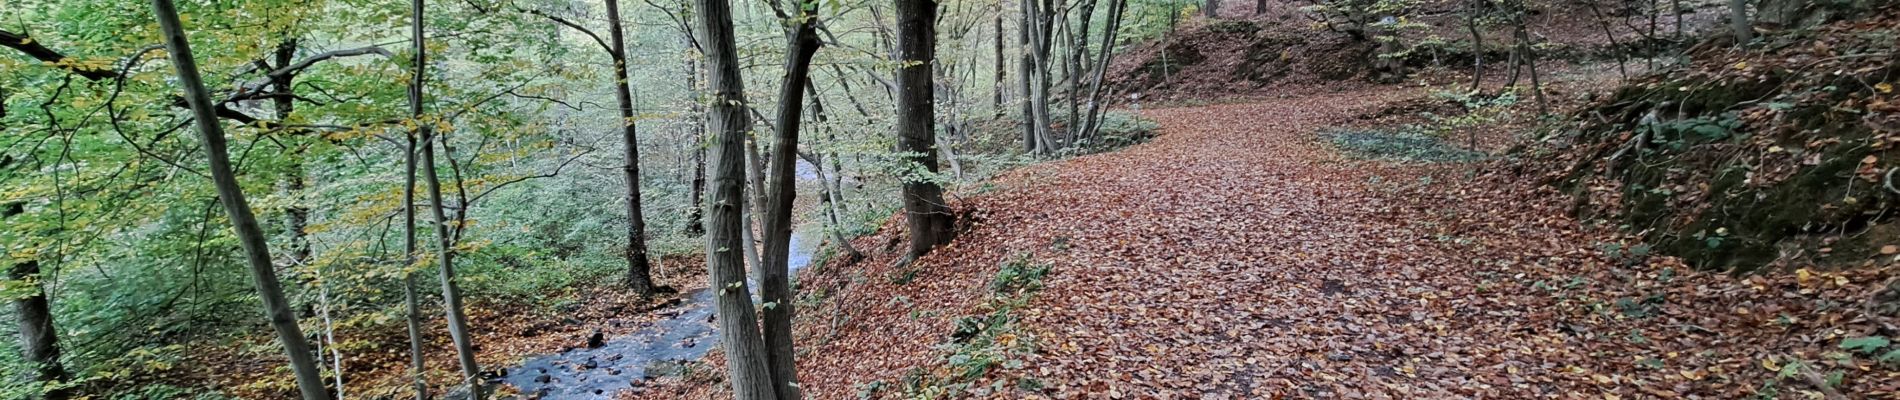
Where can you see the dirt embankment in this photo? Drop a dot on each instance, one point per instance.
(1781, 156)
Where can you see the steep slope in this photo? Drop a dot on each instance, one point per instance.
(1781, 156)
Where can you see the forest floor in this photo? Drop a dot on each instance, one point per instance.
(1239, 255)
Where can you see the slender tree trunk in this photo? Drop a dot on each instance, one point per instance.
(1001, 60)
(451, 290)
(776, 289)
(1738, 22)
(833, 191)
(639, 269)
(1474, 8)
(1213, 9)
(694, 224)
(250, 236)
(1040, 39)
(411, 296)
(1078, 51)
(929, 217)
(1259, 7)
(1115, 10)
(1621, 70)
(1024, 67)
(1530, 59)
(746, 366)
(445, 252)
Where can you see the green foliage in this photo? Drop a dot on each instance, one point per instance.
(983, 343)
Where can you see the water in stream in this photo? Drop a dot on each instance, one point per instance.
(685, 333)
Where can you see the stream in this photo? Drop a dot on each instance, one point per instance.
(684, 333)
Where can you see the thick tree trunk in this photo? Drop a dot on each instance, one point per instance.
(1259, 7)
(775, 287)
(250, 236)
(1213, 9)
(1738, 22)
(928, 216)
(445, 251)
(746, 366)
(639, 269)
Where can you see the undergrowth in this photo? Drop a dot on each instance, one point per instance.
(980, 343)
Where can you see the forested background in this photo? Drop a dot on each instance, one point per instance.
(422, 194)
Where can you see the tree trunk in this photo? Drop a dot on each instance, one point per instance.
(1259, 7)
(39, 342)
(694, 223)
(451, 290)
(928, 216)
(1213, 9)
(746, 366)
(1529, 58)
(1621, 70)
(639, 269)
(250, 236)
(1001, 60)
(445, 252)
(1024, 66)
(1041, 41)
(775, 287)
(1115, 10)
(411, 297)
(1472, 10)
(1738, 22)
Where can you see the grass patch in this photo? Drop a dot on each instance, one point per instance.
(1399, 146)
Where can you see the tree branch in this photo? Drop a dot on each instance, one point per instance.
(33, 48)
(578, 27)
(320, 57)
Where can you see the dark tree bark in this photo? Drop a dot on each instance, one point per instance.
(1213, 9)
(639, 268)
(929, 217)
(746, 366)
(776, 290)
(1259, 7)
(445, 252)
(250, 236)
(33, 48)
(695, 224)
(1115, 10)
(39, 342)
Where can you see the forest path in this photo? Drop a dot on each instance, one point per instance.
(1237, 255)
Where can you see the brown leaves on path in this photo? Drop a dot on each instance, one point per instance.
(1236, 257)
